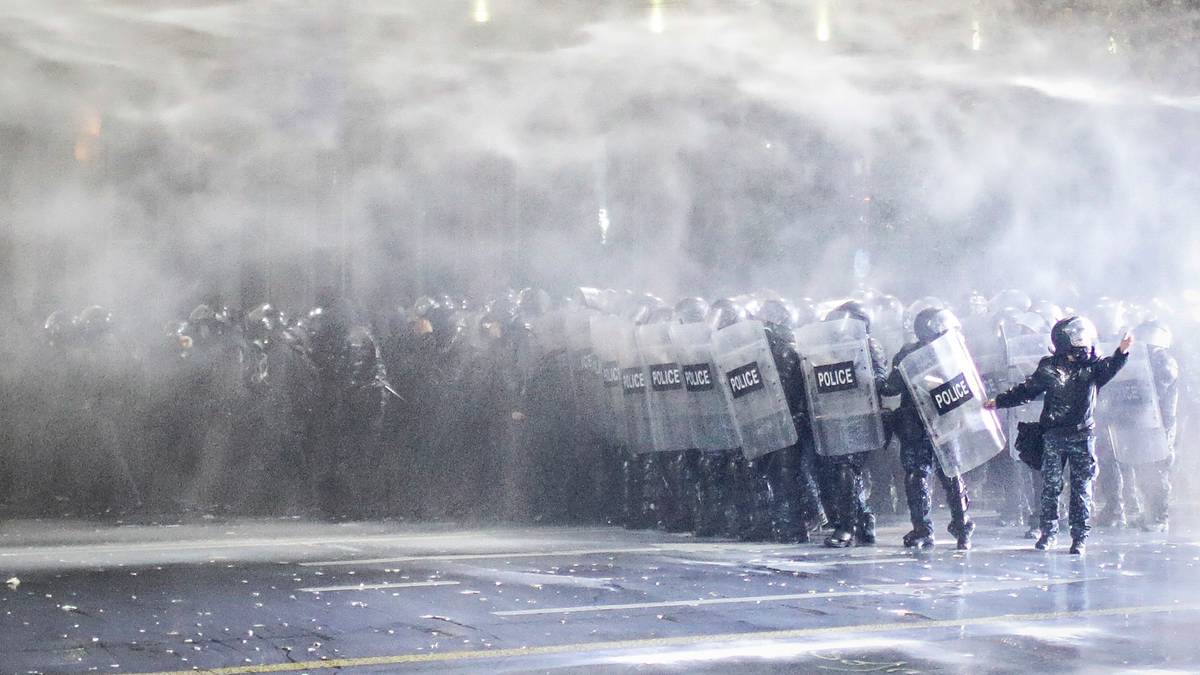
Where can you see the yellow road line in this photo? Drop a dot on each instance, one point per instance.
(680, 641)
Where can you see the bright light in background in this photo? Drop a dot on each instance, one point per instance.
(481, 13)
(87, 142)
(604, 225)
(657, 17)
(1112, 44)
(823, 21)
(976, 38)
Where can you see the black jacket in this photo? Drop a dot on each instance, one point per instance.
(906, 421)
(1069, 388)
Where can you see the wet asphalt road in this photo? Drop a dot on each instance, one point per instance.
(293, 596)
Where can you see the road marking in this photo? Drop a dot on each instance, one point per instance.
(205, 544)
(660, 548)
(490, 556)
(874, 589)
(682, 641)
(682, 603)
(374, 587)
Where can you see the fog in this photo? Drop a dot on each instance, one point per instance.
(160, 153)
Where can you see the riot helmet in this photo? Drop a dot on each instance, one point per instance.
(933, 322)
(1011, 299)
(1049, 311)
(977, 304)
(94, 321)
(691, 310)
(725, 312)
(59, 328)
(911, 312)
(1155, 334)
(852, 309)
(1075, 336)
(777, 312)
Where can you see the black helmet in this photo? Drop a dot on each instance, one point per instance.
(640, 308)
(691, 310)
(94, 321)
(263, 321)
(534, 302)
(911, 312)
(977, 304)
(424, 304)
(777, 312)
(933, 322)
(59, 328)
(725, 312)
(1154, 333)
(591, 298)
(850, 310)
(1075, 335)
(1011, 299)
(1011, 323)
(1049, 311)
(806, 312)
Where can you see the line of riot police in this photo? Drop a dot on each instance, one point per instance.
(752, 417)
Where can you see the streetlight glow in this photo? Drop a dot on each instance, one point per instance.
(481, 13)
(823, 30)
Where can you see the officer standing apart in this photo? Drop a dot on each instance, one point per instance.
(1070, 380)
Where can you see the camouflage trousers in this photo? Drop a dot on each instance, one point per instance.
(1078, 452)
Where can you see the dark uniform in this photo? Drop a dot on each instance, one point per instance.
(845, 477)
(916, 449)
(1070, 381)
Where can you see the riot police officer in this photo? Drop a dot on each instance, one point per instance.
(916, 448)
(785, 486)
(852, 518)
(1157, 336)
(1069, 380)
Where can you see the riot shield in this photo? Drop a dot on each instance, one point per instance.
(591, 401)
(949, 394)
(709, 413)
(749, 374)
(843, 404)
(1022, 354)
(607, 336)
(1128, 413)
(665, 393)
(634, 383)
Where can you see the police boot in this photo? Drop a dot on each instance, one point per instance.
(922, 539)
(1111, 516)
(1033, 528)
(1077, 547)
(841, 538)
(865, 534)
(916, 489)
(958, 501)
(1045, 542)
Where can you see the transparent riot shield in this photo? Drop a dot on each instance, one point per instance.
(607, 337)
(949, 394)
(665, 392)
(844, 407)
(1128, 412)
(634, 385)
(709, 412)
(591, 401)
(748, 373)
(1022, 354)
